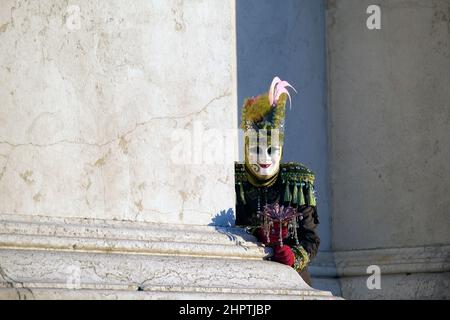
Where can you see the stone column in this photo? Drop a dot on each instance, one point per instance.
(389, 103)
(105, 187)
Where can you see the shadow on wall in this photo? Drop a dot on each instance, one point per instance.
(224, 222)
(225, 218)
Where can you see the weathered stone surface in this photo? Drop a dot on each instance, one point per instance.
(405, 273)
(402, 286)
(89, 105)
(82, 258)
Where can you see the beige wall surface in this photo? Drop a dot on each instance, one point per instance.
(389, 124)
(90, 94)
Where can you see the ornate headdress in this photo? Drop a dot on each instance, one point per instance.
(263, 123)
(267, 111)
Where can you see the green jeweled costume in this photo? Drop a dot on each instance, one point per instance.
(294, 186)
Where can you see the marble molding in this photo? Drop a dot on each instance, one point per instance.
(405, 273)
(70, 258)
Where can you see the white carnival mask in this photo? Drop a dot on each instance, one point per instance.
(263, 160)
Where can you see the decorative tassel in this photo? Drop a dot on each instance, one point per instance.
(311, 197)
(280, 236)
(301, 196)
(295, 231)
(290, 233)
(242, 194)
(295, 194)
(287, 193)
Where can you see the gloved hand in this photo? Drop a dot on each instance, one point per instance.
(260, 235)
(274, 234)
(284, 255)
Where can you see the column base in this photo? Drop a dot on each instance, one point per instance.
(48, 258)
(405, 273)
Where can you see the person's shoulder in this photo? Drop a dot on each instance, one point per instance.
(296, 171)
(298, 180)
(295, 167)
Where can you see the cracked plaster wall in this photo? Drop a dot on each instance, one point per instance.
(87, 108)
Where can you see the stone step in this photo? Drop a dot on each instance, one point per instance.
(122, 237)
(90, 259)
(48, 274)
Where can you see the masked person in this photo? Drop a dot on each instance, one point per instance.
(275, 201)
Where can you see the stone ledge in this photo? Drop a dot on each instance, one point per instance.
(94, 235)
(323, 265)
(394, 260)
(58, 294)
(428, 259)
(41, 274)
(40, 259)
(407, 273)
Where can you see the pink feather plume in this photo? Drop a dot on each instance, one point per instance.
(277, 88)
